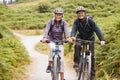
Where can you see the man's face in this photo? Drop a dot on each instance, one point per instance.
(58, 16)
(81, 14)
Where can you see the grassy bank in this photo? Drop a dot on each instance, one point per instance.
(105, 13)
(13, 56)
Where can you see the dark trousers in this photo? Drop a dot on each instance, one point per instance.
(77, 51)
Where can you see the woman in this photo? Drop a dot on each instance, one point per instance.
(55, 30)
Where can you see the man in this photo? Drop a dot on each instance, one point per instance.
(85, 27)
(55, 30)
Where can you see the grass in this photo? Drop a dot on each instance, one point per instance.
(43, 48)
(13, 56)
(25, 1)
(28, 15)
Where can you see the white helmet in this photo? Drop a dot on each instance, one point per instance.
(58, 10)
(80, 8)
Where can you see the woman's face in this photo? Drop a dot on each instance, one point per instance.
(58, 16)
(81, 14)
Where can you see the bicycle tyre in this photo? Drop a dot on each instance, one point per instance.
(55, 75)
(85, 70)
(89, 61)
(82, 70)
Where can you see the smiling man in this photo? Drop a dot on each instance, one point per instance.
(85, 27)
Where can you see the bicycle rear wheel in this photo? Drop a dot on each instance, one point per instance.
(56, 68)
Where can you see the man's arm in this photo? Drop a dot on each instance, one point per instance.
(98, 32)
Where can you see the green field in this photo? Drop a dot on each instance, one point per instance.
(34, 14)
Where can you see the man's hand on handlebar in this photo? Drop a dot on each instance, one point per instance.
(73, 38)
(102, 42)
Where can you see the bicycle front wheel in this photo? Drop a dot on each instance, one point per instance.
(56, 68)
(82, 70)
(85, 71)
(89, 63)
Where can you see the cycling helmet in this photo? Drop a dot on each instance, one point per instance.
(80, 8)
(58, 10)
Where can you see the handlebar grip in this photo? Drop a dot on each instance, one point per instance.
(47, 41)
(40, 40)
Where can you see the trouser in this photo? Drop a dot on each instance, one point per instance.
(77, 51)
(61, 54)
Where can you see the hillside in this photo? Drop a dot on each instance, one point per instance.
(35, 14)
(13, 55)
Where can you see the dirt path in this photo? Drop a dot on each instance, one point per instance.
(37, 69)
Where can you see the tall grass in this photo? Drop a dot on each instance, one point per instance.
(13, 55)
(105, 12)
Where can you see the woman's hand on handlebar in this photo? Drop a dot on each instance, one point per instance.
(69, 39)
(44, 40)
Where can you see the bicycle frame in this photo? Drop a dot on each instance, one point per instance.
(84, 71)
(56, 61)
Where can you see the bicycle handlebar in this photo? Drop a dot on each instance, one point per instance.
(86, 41)
(47, 41)
(56, 41)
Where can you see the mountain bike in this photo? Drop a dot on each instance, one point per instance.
(56, 62)
(85, 64)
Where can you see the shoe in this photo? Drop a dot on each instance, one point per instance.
(48, 70)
